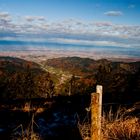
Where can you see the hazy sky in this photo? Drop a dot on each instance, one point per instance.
(114, 23)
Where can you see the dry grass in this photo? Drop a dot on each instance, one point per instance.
(127, 129)
(120, 126)
(27, 107)
(26, 134)
(84, 126)
(115, 126)
(84, 130)
(40, 110)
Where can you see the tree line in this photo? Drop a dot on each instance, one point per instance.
(26, 85)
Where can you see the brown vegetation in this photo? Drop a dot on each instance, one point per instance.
(115, 126)
(23, 79)
(27, 133)
(120, 79)
(120, 126)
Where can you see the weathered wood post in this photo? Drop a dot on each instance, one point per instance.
(96, 112)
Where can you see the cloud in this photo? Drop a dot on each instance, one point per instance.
(69, 31)
(29, 18)
(113, 13)
(34, 18)
(104, 23)
(40, 18)
(5, 22)
(5, 16)
(88, 42)
(131, 6)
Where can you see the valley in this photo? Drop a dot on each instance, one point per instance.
(41, 98)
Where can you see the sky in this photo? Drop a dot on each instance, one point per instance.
(97, 24)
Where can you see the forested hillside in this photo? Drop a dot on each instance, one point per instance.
(79, 76)
(23, 79)
(121, 80)
(27, 89)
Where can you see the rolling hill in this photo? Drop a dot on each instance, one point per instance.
(23, 79)
(119, 79)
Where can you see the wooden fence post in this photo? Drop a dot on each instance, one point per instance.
(96, 110)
